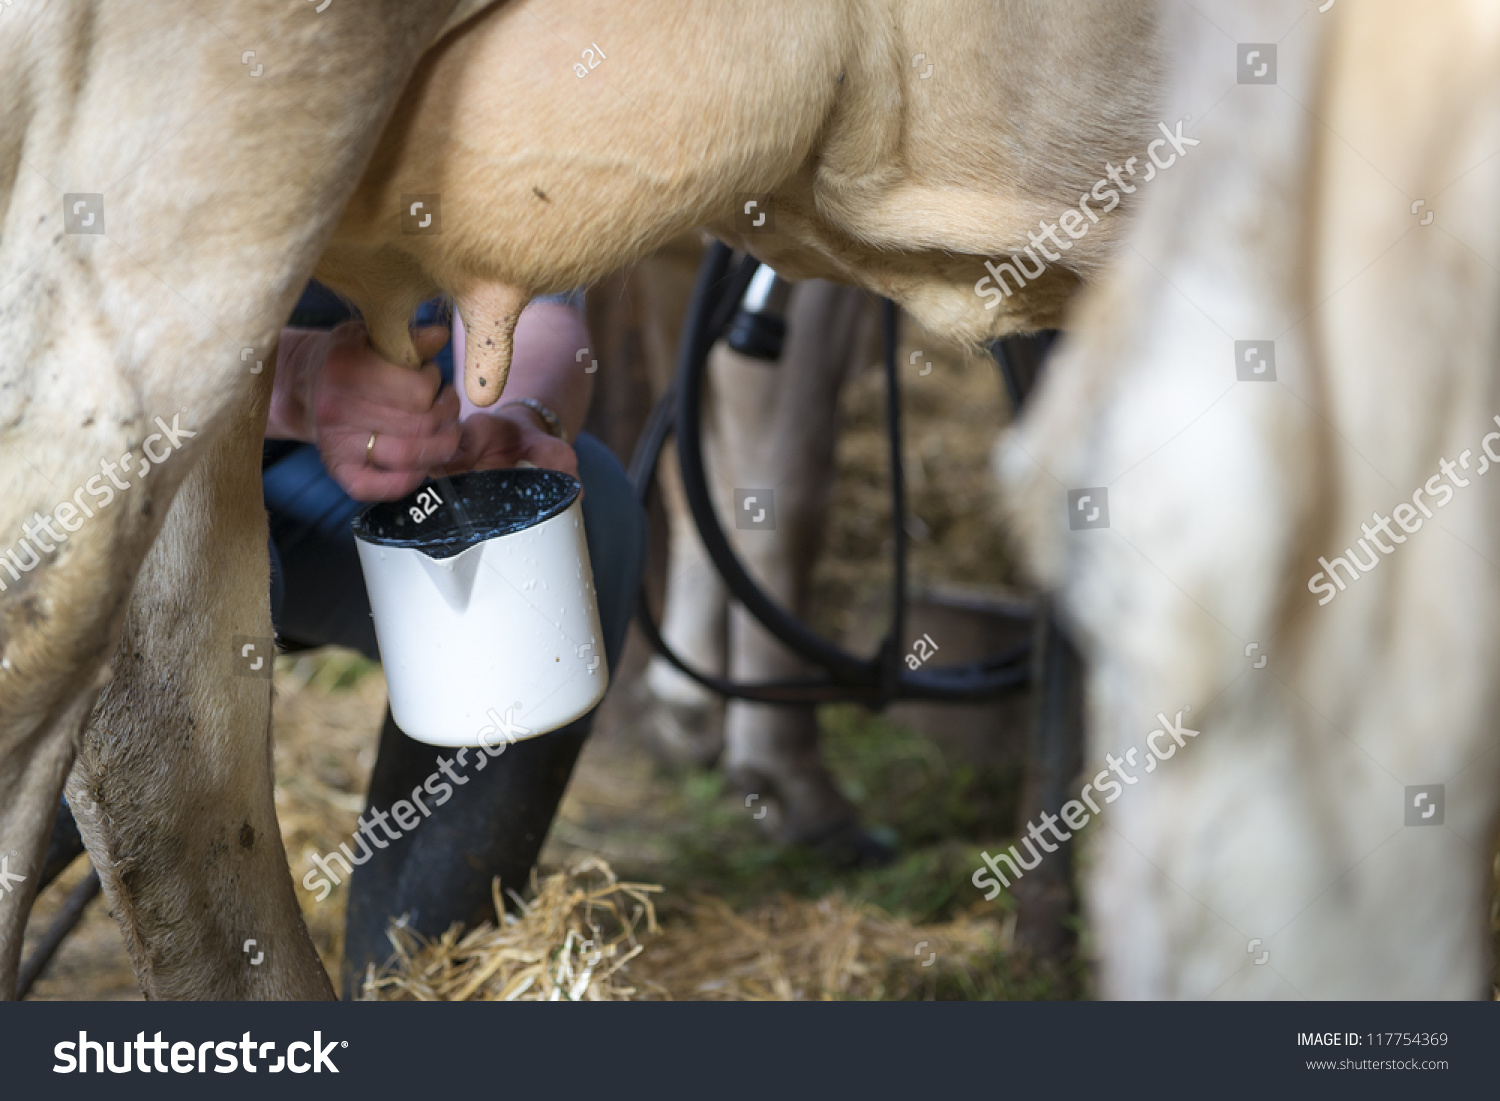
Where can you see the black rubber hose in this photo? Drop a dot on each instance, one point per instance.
(716, 296)
(63, 847)
(643, 464)
(66, 921)
(697, 341)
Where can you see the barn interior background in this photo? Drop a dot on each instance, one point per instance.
(736, 916)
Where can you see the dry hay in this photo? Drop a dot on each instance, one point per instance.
(587, 936)
(572, 941)
(792, 949)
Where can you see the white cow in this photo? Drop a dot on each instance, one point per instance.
(1287, 387)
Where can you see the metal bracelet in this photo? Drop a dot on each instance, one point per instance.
(551, 422)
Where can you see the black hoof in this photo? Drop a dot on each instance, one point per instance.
(852, 846)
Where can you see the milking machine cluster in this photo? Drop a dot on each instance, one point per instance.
(746, 299)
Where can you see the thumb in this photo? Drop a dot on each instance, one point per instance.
(429, 340)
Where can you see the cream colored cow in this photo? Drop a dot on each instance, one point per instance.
(224, 142)
(899, 143)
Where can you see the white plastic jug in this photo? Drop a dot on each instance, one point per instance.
(484, 606)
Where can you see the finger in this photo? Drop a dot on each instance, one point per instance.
(403, 453)
(487, 443)
(351, 372)
(447, 405)
(552, 454)
(430, 340)
(355, 412)
(398, 452)
(366, 483)
(349, 336)
(361, 412)
(350, 353)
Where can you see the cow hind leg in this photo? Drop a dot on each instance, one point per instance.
(173, 784)
(65, 588)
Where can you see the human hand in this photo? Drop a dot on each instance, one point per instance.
(339, 393)
(506, 437)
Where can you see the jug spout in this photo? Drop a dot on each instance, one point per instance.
(454, 577)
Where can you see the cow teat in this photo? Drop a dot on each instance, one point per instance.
(490, 312)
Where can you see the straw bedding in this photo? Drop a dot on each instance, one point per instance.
(584, 935)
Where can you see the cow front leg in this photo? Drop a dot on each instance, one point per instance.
(173, 784)
(776, 436)
(680, 720)
(74, 542)
(684, 719)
